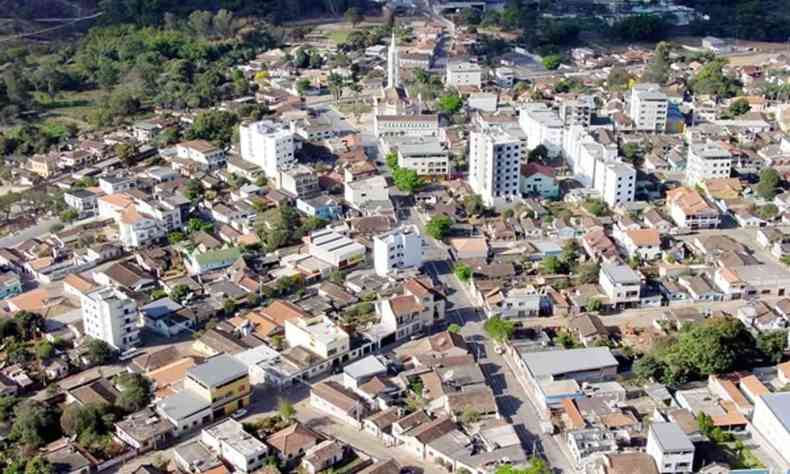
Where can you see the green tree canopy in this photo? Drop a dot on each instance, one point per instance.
(136, 392)
(99, 352)
(216, 126)
(768, 187)
(711, 80)
(439, 227)
(499, 329)
(407, 180)
(739, 106)
(450, 104)
(463, 272)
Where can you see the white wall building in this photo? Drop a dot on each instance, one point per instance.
(577, 111)
(542, 127)
(616, 181)
(406, 125)
(299, 181)
(707, 160)
(319, 335)
(427, 156)
(495, 165)
(268, 145)
(110, 315)
(237, 447)
(648, 107)
(772, 419)
(398, 249)
(620, 283)
(362, 191)
(670, 448)
(202, 152)
(464, 74)
(335, 248)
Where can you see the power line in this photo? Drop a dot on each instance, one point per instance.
(54, 28)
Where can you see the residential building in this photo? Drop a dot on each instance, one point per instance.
(324, 207)
(334, 248)
(464, 74)
(398, 249)
(43, 165)
(620, 283)
(577, 111)
(494, 165)
(203, 153)
(232, 443)
(84, 201)
(542, 126)
(406, 125)
(359, 193)
(319, 335)
(110, 315)
(616, 181)
(670, 447)
(772, 420)
(10, 284)
(427, 156)
(223, 381)
(644, 244)
(338, 401)
(201, 262)
(144, 430)
(136, 229)
(300, 181)
(404, 316)
(648, 107)
(504, 77)
(268, 145)
(540, 180)
(707, 160)
(690, 210)
(117, 183)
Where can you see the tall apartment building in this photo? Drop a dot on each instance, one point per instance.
(648, 107)
(494, 164)
(268, 145)
(542, 126)
(616, 181)
(110, 315)
(707, 160)
(577, 111)
(397, 249)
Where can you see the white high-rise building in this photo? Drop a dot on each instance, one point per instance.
(577, 111)
(110, 315)
(542, 127)
(268, 145)
(707, 160)
(648, 107)
(616, 181)
(397, 249)
(494, 164)
(393, 65)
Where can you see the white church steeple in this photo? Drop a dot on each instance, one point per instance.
(393, 64)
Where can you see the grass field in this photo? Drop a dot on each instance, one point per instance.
(338, 36)
(71, 107)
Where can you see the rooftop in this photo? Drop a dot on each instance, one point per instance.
(218, 370)
(560, 362)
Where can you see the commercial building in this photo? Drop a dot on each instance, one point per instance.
(268, 145)
(406, 125)
(577, 111)
(320, 336)
(690, 210)
(334, 248)
(670, 447)
(495, 164)
(426, 156)
(222, 381)
(299, 181)
(398, 249)
(110, 315)
(464, 74)
(648, 107)
(707, 160)
(203, 153)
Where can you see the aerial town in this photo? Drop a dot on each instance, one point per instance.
(394, 237)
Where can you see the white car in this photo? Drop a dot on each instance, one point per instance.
(238, 414)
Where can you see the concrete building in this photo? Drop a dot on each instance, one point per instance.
(577, 111)
(300, 181)
(616, 181)
(690, 210)
(82, 200)
(542, 126)
(362, 191)
(464, 74)
(670, 447)
(620, 283)
(319, 335)
(334, 248)
(707, 160)
(406, 126)
(772, 419)
(203, 153)
(427, 156)
(229, 441)
(222, 381)
(398, 249)
(495, 165)
(268, 145)
(540, 180)
(648, 107)
(110, 315)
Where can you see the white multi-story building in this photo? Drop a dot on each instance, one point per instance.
(335, 248)
(505, 77)
(110, 315)
(671, 448)
(620, 283)
(427, 156)
(318, 335)
(648, 107)
(268, 145)
(398, 249)
(494, 164)
(203, 153)
(406, 126)
(772, 420)
(542, 127)
(299, 181)
(137, 229)
(362, 191)
(707, 160)
(464, 74)
(232, 443)
(577, 111)
(616, 181)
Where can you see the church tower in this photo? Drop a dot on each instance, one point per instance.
(393, 65)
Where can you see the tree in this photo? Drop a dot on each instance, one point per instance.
(99, 352)
(302, 86)
(470, 416)
(462, 272)
(438, 227)
(535, 466)
(631, 152)
(658, 70)
(618, 79)
(407, 180)
(594, 305)
(739, 107)
(768, 186)
(229, 306)
(454, 329)
(285, 409)
(336, 84)
(45, 350)
(39, 465)
(216, 126)
(552, 265)
(180, 292)
(648, 367)
(772, 345)
(34, 424)
(596, 207)
(136, 392)
(569, 255)
(552, 61)
(588, 273)
(499, 329)
(640, 28)
(126, 152)
(711, 80)
(768, 212)
(354, 16)
(473, 205)
(540, 154)
(450, 104)
(69, 215)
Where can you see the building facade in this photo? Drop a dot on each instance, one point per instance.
(111, 316)
(397, 249)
